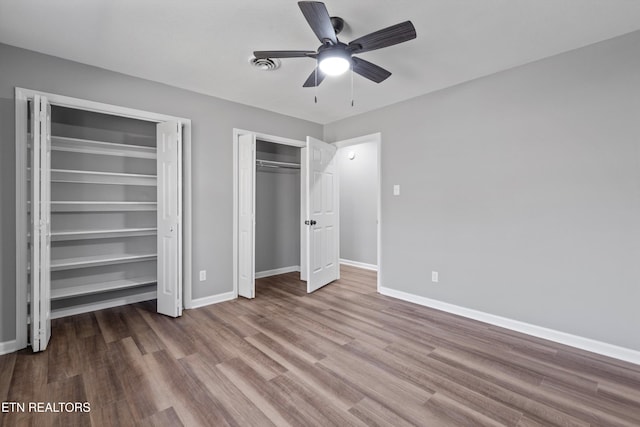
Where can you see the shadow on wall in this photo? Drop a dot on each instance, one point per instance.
(7, 220)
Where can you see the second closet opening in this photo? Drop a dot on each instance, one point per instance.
(277, 210)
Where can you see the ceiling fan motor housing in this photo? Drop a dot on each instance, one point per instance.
(337, 50)
(337, 23)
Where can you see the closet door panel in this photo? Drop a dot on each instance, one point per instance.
(169, 240)
(40, 277)
(322, 214)
(246, 209)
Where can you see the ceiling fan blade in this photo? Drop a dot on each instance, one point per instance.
(389, 36)
(311, 80)
(263, 54)
(370, 71)
(318, 18)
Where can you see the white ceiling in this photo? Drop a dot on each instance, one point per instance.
(204, 45)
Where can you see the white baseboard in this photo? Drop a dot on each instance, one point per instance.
(8, 347)
(275, 272)
(359, 264)
(576, 341)
(214, 299)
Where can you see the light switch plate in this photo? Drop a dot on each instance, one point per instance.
(203, 275)
(396, 190)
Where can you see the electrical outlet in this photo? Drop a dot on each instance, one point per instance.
(203, 275)
(434, 276)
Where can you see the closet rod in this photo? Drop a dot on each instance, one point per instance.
(275, 164)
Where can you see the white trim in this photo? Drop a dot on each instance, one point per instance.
(21, 97)
(236, 135)
(21, 217)
(101, 107)
(270, 138)
(8, 347)
(213, 299)
(377, 138)
(187, 214)
(101, 305)
(373, 137)
(276, 271)
(588, 344)
(359, 264)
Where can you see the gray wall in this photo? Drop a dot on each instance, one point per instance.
(523, 190)
(213, 121)
(277, 209)
(358, 203)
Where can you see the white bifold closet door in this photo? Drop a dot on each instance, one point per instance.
(40, 274)
(169, 221)
(322, 222)
(246, 215)
(169, 147)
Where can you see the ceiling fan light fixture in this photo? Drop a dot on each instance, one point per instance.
(334, 61)
(334, 65)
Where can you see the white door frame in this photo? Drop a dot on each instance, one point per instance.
(22, 96)
(236, 188)
(377, 138)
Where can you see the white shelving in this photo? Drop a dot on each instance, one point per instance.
(98, 260)
(93, 229)
(101, 206)
(107, 178)
(87, 146)
(101, 234)
(72, 310)
(95, 288)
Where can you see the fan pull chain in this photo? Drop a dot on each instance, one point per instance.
(351, 86)
(316, 86)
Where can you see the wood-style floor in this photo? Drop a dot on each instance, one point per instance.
(341, 356)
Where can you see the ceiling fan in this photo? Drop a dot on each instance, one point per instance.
(335, 57)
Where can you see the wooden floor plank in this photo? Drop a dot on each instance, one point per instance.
(344, 355)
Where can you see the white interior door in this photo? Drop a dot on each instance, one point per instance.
(169, 170)
(322, 218)
(40, 275)
(246, 214)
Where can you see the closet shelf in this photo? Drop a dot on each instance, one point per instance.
(96, 288)
(101, 206)
(98, 260)
(102, 234)
(87, 146)
(108, 178)
(58, 312)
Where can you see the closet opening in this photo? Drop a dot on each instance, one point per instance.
(268, 205)
(103, 210)
(277, 210)
(318, 221)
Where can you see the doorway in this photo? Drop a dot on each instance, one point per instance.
(276, 153)
(359, 166)
(320, 209)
